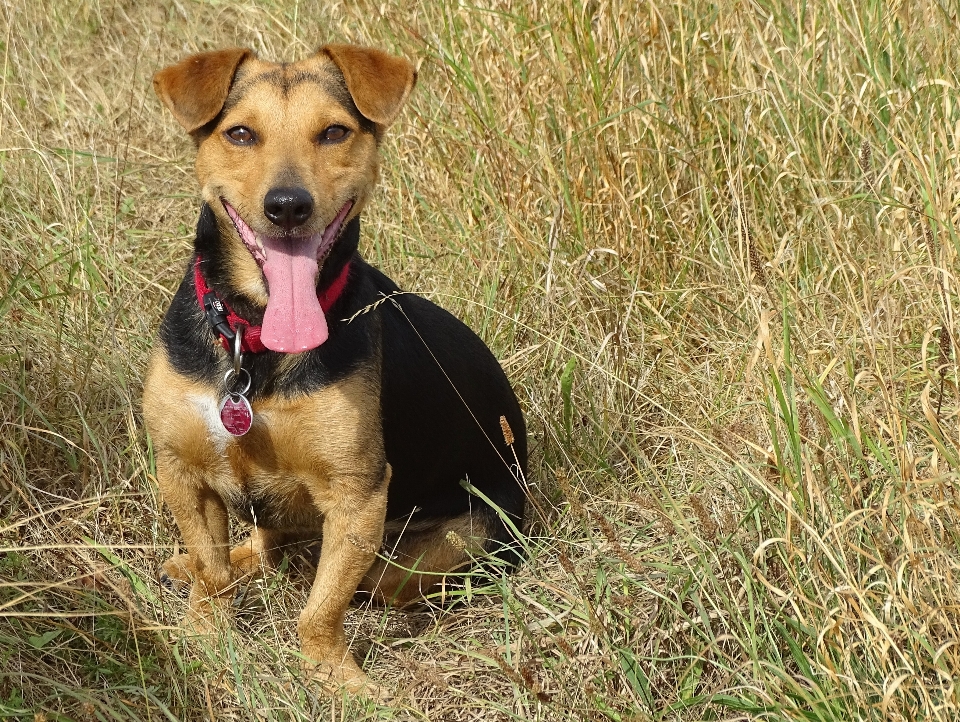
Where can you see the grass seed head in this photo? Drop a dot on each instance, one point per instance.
(507, 431)
(943, 362)
(708, 527)
(866, 154)
(456, 541)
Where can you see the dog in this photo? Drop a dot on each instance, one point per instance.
(293, 385)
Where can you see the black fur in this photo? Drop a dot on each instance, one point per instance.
(442, 390)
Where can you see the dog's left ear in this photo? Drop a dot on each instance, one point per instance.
(194, 89)
(378, 83)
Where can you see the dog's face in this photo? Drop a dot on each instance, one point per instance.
(286, 156)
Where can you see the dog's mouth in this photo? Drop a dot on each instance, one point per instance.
(293, 321)
(255, 241)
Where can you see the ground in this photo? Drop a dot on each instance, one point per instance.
(714, 247)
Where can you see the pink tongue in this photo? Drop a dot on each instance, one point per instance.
(293, 321)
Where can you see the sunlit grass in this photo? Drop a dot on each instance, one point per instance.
(714, 247)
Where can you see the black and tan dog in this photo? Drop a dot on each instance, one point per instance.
(293, 385)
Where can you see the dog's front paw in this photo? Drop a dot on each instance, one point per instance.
(207, 617)
(178, 573)
(200, 624)
(344, 673)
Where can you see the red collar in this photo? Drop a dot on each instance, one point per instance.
(223, 318)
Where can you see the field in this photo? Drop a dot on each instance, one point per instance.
(714, 246)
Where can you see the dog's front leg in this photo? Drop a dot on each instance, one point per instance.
(202, 518)
(352, 533)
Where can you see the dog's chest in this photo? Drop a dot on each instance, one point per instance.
(304, 454)
(264, 477)
(299, 457)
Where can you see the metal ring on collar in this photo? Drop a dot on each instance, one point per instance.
(230, 373)
(237, 355)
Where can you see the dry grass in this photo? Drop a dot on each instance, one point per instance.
(714, 246)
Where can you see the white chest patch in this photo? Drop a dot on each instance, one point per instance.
(209, 409)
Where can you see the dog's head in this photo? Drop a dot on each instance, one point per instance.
(286, 157)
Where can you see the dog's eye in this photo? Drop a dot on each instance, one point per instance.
(333, 134)
(241, 135)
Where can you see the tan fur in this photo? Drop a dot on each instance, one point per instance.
(416, 564)
(262, 551)
(288, 118)
(318, 457)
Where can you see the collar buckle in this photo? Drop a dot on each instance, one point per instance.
(216, 313)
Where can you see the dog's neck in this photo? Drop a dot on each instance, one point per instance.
(224, 321)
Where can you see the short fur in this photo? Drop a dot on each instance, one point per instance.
(362, 441)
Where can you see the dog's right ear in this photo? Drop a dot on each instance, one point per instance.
(195, 89)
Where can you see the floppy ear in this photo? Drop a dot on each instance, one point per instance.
(194, 89)
(379, 83)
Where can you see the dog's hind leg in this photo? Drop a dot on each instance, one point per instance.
(421, 560)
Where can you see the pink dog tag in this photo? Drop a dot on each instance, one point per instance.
(236, 414)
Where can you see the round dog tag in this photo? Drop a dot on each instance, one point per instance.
(236, 414)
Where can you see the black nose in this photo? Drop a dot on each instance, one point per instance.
(288, 207)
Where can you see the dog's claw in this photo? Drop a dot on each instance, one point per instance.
(172, 584)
